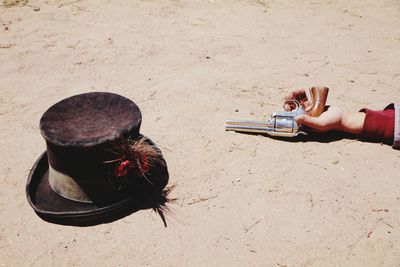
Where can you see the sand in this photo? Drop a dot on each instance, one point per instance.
(242, 200)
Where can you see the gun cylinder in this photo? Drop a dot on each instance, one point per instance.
(284, 124)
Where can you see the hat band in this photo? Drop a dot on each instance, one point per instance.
(66, 186)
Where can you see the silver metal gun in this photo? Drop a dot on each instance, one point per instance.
(283, 123)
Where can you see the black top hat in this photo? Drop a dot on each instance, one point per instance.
(98, 167)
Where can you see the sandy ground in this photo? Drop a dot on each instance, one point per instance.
(243, 200)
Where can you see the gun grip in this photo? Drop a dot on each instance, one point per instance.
(319, 94)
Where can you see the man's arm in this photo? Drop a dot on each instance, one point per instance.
(368, 123)
(335, 120)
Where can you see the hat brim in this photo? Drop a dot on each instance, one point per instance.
(54, 208)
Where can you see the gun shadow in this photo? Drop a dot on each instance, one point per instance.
(327, 137)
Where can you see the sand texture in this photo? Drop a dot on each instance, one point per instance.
(242, 200)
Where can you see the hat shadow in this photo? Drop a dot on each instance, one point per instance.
(156, 200)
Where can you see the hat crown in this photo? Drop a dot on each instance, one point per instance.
(90, 119)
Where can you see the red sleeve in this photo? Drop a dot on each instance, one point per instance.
(379, 124)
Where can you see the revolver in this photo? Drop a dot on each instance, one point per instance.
(283, 124)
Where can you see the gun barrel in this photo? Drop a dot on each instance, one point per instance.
(248, 126)
(247, 123)
(249, 129)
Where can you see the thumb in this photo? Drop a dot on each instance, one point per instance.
(315, 123)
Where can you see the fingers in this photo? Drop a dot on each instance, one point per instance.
(302, 96)
(296, 94)
(289, 106)
(299, 95)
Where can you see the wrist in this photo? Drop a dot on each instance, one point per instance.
(352, 122)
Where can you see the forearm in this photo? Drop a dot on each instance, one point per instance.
(379, 124)
(372, 124)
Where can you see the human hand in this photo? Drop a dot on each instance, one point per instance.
(333, 119)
